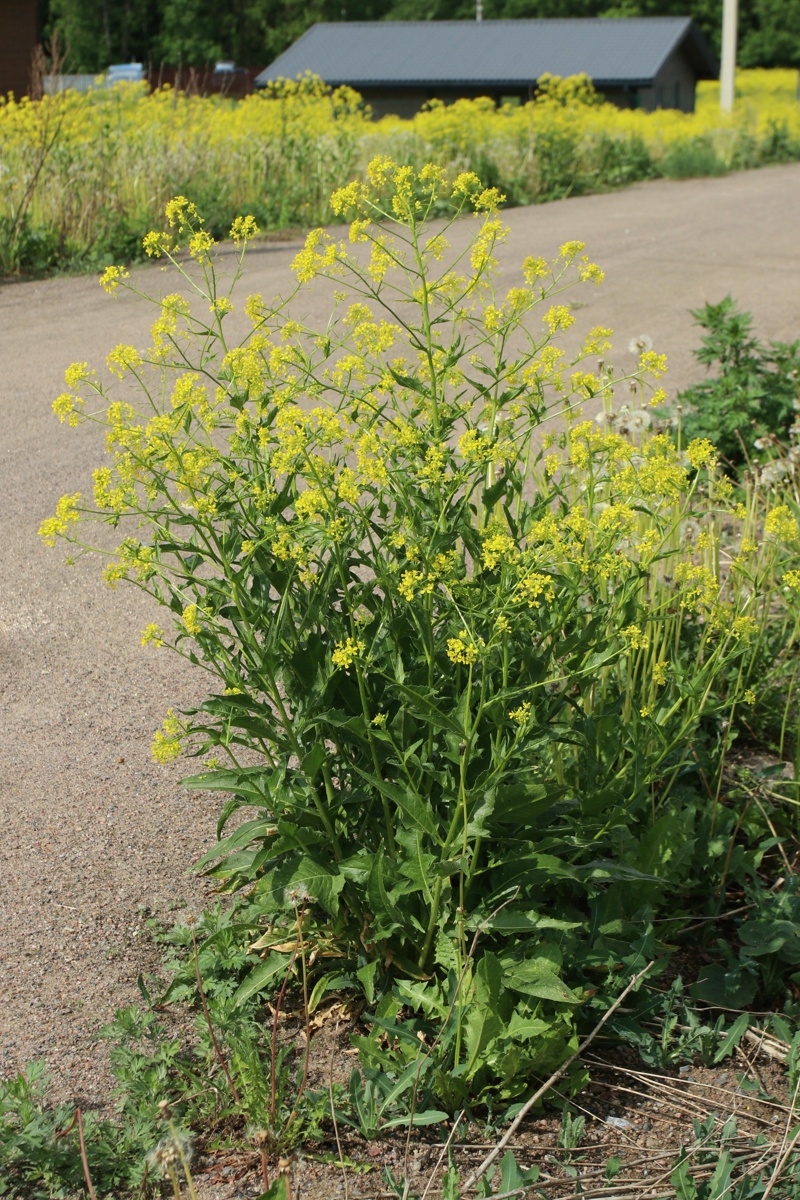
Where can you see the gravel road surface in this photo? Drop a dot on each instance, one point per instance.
(95, 836)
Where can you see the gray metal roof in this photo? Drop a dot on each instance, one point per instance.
(611, 51)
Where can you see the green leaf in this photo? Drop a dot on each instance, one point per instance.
(320, 988)
(367, 976)
(483, 1020)
(245, 780)
(407, 381)
(277, 1190)
(409, 803)
(431, 1116)
(314, 760)
(386, 916)
(425, 996)
(733, 1037)
(306, 876)
(248, 832)
(416, 864)
(261, 977)
(511, 1177)
(524, 1029)
(509, 920)
(536, 977)
(729, 989)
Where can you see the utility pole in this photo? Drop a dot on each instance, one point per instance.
(727, 74)
(478, 10)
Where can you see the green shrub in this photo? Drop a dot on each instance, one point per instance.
(692, 158)
(753, 396)
(460, 660)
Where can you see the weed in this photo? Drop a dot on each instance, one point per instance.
(750, 401)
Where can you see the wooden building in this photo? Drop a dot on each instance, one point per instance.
(634, 62)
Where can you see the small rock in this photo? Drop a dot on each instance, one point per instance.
(618, 1123)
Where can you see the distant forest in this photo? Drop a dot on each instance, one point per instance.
(94, 33)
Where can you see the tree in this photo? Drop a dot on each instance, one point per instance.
(95, 33)
(773, 37)
(254, 32)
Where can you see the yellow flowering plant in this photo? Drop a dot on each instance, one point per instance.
(84, 175)
(461, 642)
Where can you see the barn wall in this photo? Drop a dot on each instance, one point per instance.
(674, 88)
(19, 34)
(674, 85)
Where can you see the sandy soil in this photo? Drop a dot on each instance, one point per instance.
(95, 837)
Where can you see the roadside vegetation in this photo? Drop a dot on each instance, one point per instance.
(84, 177)
(502, 716)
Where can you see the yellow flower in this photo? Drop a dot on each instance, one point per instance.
(743, 628)
(535, 586)
(347, 488)
(310, 503)
(242, 230)
(750, 697)
(791, 579)
(701, 453)
(58, 526)
(165, 749)
(167, 741)
(155, 244)
(123, 358)
(465, 184)
(534, 269)
(68, 408)
(521, 714)
(199, 245)
(345, 653)
(558, 317)
(780, 523)
(318, 254)
(407, 585)
(112, 277)
(76, 374)
(462, 650)
(182, 213)
(152, 635)
(190, 619)
(347, 198)
(497, 546)
(570, 250)
(590, 272)
(635, 637)
(652, 364)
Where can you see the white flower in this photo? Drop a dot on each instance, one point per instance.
(640, 420)
(640, 344)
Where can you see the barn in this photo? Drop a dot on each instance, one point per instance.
(635, 62)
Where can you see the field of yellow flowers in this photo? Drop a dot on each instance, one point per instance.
(83, 177)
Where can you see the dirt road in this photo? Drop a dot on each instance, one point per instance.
(95, 836)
